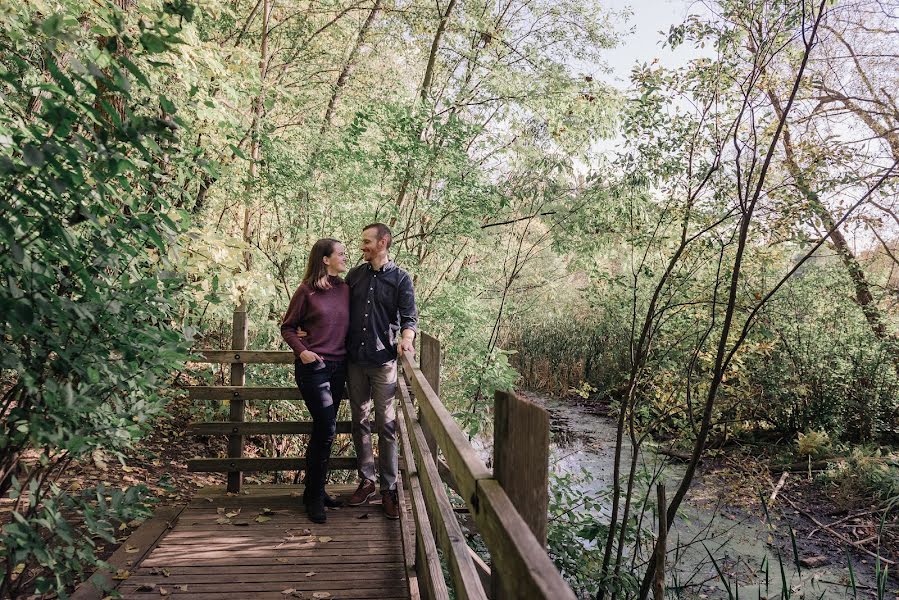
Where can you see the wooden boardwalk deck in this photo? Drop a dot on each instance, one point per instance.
(357, 554)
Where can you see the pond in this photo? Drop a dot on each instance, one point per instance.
(739, 538)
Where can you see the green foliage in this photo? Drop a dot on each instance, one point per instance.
(89, 165)
(576, 531)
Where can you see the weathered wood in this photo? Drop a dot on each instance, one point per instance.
(522, 562)
(467, 583)
(483, 570)
(239, 335)
(658, 584)
(278, 357)
(145, 538)
(240, 393)
(234, 465)
(356, 554)
(521, 458)
(407, 526)
(464, 462)
(431, 583)
(260, 428)
(430, 368)
(430, 360)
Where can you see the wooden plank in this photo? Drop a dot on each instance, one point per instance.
(252, 592)
(483, 570)
(465, 464)
(427, 561)
(430, 360)
(521, 458)
(145, 538)
(407, 525)
(234, 465)
(322, 559)
(430, 368)
(262, 427)
(524, 566)
(239, 335)
(270, 595)
(259, 428)
(240, 393)
(229, 589)
(466, 582)
(339, 579)
(279, 357)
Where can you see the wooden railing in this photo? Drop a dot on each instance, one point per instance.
(508, 506)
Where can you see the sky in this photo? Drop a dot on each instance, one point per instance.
(650, 21)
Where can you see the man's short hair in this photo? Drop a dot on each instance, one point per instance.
(383, 232)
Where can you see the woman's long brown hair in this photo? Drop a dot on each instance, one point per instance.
(316, 275)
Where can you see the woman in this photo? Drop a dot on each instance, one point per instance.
(320, 307)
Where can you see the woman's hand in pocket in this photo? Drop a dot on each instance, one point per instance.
(307, 357)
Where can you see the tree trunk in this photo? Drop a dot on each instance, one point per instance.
(348, 68)
(863, 296)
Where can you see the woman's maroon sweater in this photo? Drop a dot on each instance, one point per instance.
(324, 315)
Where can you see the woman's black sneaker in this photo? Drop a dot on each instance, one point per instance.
(316, 511)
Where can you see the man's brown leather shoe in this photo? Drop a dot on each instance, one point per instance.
(391, 504)
(365, 491)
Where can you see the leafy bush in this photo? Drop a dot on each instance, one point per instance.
(89, 164)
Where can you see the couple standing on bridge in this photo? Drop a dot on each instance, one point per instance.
(349, 332)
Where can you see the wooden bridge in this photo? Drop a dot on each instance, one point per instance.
(254, 541)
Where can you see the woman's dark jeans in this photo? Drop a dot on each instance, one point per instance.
(322, 385)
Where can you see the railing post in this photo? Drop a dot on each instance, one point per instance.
(429, 362)
(521, 464)
(238, 377)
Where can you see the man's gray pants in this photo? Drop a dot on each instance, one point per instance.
(367, 386)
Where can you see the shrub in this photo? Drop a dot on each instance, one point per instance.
(88, 160)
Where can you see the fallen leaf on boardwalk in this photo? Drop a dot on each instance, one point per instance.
(310, 573)
(325, 539)
(231, 494)
(363, 516)
(267, 511)
(208, 500)
(288, 591)
(232, 514)
(223, 521)
(321, 595)
(183, 588)
(307, 532)
(146, 587)
(220, 510)
(262, 519)
(135, 523)
(163, 592)
(282, 560)
(296, 494)
(122, 574)
(131, 549)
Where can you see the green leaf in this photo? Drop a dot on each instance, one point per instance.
(167, 105)
(153, 43)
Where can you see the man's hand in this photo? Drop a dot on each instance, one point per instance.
(308, 357)
(406, 344)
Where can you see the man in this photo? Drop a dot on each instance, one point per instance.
(383, 322)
